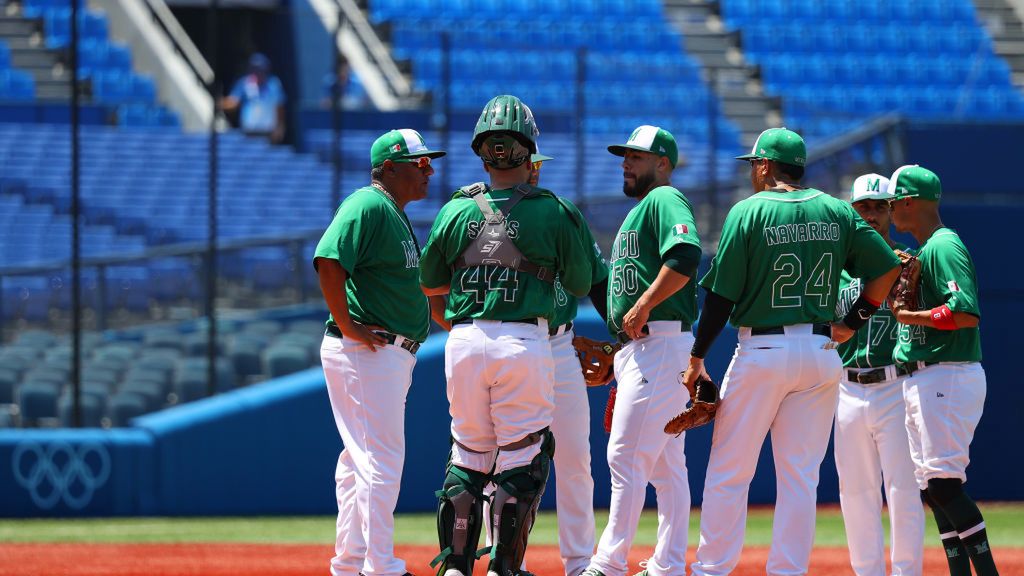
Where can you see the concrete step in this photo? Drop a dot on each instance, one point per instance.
(1009, 47)
(33, 59)
(16, 27)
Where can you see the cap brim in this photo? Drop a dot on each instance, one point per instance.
(540, 158)
(620, 149)
(427, 153)
(746, 157)
(878, 196)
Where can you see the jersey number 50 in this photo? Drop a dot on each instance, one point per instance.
(785, 290)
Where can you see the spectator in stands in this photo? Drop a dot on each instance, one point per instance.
(344, 86)
(259, 99)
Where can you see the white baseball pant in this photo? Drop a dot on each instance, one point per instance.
(500, 389)
(871, 451)
(787, 384)
(944, 405)
(574, 486)
(368, 392)
(650, 393)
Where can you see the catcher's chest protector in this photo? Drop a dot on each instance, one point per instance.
(492, 245)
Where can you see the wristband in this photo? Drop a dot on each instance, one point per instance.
(859, 313)
(942, 318)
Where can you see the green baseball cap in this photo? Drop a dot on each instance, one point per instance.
(779, 145)
(397, 144)
(650, 139)
(913, 181)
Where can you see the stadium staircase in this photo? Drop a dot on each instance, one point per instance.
(735, 81)
(34, 37)
(1002, 19)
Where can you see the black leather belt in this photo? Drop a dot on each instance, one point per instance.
(819, 329)
(519, 321)
(624, 338)
(875, 376)
(911, 367)
(411, 346)
(560, 329)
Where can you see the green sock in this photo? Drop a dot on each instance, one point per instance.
(956, 553)
(969, 523)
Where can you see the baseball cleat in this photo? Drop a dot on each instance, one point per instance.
(591, 572)
(453, 572)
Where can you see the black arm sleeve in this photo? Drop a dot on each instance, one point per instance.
(599, 298)
(683, 258)
(713, 317)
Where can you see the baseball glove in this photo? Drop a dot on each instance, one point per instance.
(903, 295)
(609, 410)
(702, 409)
(597, 360)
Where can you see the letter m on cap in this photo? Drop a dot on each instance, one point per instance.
(873, 185)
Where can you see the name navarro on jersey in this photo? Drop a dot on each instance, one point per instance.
(802, 232)
(511, 227)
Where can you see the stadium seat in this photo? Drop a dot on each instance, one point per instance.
(36, 401)
(124, 406)
(91, 411)
(283, 359)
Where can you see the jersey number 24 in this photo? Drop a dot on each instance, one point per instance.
(786, 290)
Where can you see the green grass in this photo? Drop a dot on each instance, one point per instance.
(1005, 523)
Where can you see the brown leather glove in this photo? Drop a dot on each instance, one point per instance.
(703, 406)
(597, 360)
(903, 295)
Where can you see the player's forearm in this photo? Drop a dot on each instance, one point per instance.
(924, 318)
(666, 284)
(437, 308)
(713, 316)
(439, 291)
(599, 298)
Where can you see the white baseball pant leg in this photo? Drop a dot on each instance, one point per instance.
(872, 450)
(500, 389)
(787, 384)
(367, 392)
(944, 405)
(650, 393)
(574, 486)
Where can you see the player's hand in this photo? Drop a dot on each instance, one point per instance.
(841, 332)
(365, 334)
(634, 322)
(693, 371)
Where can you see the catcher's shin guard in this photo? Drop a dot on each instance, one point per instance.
(459, 519)
(514, 508)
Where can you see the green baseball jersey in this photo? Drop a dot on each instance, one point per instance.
(873, 345)
(375, 244)
(780, 256)
(567, 305)
(541, 227)
(947, 277)
(663, 219)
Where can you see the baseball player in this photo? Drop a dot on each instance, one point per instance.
(940, 347)
(368, 264)
(496, 251)
(570, 424)
(776, 277)
(651, 306)
(870, 435)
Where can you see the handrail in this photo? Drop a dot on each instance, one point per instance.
(374, 47)
(165, 18)
(868, 130)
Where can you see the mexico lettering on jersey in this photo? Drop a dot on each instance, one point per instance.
(873, 345)
(947, 277)
(662, 220)
(781, 255)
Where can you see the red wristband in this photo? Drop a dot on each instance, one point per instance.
(942, 318)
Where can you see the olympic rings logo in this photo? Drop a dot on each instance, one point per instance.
(59, 471)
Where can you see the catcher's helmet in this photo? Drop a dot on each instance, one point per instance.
(506, 133)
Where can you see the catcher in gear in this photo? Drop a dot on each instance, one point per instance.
(702, 409)
(940, 347)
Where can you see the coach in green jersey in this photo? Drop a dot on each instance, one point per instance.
(368, 263)
(872, 451)
(776, 274)
(940, 346)
(651, 306)
(496, 251)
